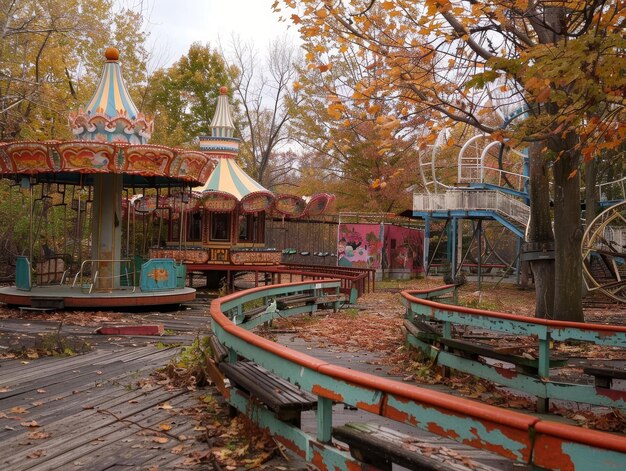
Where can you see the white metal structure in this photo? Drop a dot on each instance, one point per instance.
(474, 200)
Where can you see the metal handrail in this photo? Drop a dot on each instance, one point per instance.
(468, 200)
(95, 275)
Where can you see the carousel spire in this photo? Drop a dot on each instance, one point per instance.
(111, 115)
(222, 124)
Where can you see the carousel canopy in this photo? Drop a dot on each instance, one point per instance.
(111, 96)
(112, 139)
(228, 180)
(111, 115)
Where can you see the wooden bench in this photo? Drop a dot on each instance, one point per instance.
(218, 351)
(473, 350)
(296, 300)
(286, 400)
(382, 447)
(604, 376)
(422, 330)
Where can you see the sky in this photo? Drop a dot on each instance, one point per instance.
(175, 24)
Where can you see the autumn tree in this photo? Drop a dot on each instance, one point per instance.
(182, 97)
(369, 151)
(560, 62)
(51, 56)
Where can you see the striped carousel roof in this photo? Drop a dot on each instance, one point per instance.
(111, 97)
(228, 177)
(222, 124)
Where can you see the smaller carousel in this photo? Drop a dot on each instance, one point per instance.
(221, 226)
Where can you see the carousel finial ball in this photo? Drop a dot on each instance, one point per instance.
(112, 54)
(223, 90)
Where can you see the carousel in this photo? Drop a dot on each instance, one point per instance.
(109, 158)
(209, 214)
(221, 226)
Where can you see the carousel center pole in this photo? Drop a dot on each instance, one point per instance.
(107, 230)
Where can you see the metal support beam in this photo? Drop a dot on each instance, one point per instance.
(324, 419)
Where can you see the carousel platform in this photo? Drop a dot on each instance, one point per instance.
(66, 297)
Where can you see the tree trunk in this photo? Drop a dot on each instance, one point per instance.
(567, 230)
(540, 237)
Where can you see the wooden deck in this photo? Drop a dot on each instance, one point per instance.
(90, 412)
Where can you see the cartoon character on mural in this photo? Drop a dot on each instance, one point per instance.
(358, 246)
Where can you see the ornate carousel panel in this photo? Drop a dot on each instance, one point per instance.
(218, 201)
(290, 205)
(30, 158)
(151, 160)
(86, 157)
(318, 204)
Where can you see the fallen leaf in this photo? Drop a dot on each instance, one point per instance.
(32, 423)
(165, 406)
(165, 427)
(37, 403)
(178, 449)
(37, 454)
(41, 391)
(4, 389)
(18, 410)
(160, 440)
(39, 435)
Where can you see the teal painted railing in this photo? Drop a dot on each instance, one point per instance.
(519, 437)
(421, 306)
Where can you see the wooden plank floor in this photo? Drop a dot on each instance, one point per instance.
(91, 412)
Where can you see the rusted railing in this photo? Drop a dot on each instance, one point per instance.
(421, 307)
(519, 437)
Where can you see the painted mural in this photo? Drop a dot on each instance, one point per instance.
(380, 246)
(360, 245)
(404, 248)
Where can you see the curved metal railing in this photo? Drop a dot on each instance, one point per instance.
(519, 437)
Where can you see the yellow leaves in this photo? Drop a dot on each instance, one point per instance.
(296, 19)
(335, 110)
(321, 13)
(387, 5)
(296, 86)
(29, 424)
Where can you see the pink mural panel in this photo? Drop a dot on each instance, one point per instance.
(360, 245)
(379, 246)
(404, 248)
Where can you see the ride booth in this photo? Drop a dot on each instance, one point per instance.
(394, 251)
